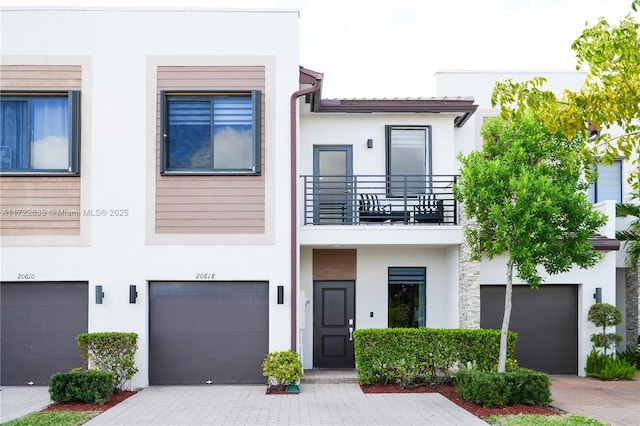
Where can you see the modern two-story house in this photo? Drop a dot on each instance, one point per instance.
(176, 173)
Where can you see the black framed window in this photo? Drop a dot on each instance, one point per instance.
(40, 133)
(210, 133)
(408, 159)
(407, 297)
(608, 184)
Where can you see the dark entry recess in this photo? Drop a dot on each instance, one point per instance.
(546, 321)
(39, 323)
(333, 324)
(202, 332)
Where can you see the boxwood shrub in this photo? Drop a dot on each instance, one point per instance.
(407, 356)
(491, 389)
(92, 386)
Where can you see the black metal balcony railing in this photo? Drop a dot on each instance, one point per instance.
(380, 199)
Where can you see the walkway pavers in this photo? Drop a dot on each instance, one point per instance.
(317, 404)
(611, 402)
(18, 401)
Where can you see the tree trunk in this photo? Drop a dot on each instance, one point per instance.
(502, 360)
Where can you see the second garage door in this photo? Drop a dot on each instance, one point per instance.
(39, 324)
(546, 321)
(208, 332)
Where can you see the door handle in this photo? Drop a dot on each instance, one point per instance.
(351, 334)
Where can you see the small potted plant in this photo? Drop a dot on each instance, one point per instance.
(283, 371)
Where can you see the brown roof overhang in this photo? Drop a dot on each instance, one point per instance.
(602, 243)
(464, 107)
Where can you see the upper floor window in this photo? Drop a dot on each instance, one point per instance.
(608, 184)
(39, 133)
(407, 297)
(210, 133)
(408, 159)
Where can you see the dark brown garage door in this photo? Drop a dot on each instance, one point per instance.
(546, 321)
(39, 324)
(206, 331)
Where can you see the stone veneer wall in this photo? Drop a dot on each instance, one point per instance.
(632, 298)
(469, 284)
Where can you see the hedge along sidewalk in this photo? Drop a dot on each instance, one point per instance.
(424, 355)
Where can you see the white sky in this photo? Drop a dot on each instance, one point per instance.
(389, 48)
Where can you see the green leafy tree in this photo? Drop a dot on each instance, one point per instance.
(632, 234)
(525, 192)
(607, 99)
(605, 315)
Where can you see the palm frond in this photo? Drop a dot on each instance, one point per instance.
(627, 209)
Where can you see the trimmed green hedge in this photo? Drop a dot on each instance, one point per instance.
(111, 351)
(490, 389)
(407, 356)
(90, 386)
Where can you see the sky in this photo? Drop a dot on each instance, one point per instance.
(392, 48)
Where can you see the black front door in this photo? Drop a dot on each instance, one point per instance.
(333, 324)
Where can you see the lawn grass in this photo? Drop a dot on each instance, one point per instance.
(534, 420)
(54, 418)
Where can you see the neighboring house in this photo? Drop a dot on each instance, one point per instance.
(143, 188)
(617, 283)
(192, 186)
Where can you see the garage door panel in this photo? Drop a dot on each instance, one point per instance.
(44, 294)
(208, 331)
(546, 321)
(205, 294)
(208, 318)
(29, 319)
(39, 325)
(199, 371)
(39, 346)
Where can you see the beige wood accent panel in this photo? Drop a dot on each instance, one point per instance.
(45, 205)
(334, 264)
(210, 204)
(39, 206)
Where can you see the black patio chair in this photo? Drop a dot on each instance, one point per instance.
(428, 210)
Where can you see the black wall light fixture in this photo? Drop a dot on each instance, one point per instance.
(280, 294)
(99, 295)
(369, 143)
(133, 294)
(598, 295)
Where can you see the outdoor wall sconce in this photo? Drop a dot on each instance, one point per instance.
(598, 295)
(99, 295)
(369, 143)
(133, 294)
(280, 294)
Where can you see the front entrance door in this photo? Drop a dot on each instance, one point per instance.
(333, 187)
(333, 324)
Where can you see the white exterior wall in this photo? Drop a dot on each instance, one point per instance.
(119, 51)
(371, 288)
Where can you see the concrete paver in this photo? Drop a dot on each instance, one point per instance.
(317, 404)
(611, 402)
(18, 401)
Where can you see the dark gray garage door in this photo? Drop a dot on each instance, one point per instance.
(208, 331)
(39, 323)
(546, 321)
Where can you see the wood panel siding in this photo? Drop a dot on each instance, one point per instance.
(40, 205)
(334, 264)
(210, 204)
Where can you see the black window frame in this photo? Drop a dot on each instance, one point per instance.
(256, 101)
(424, 186)
(74, 129)
(407, 275)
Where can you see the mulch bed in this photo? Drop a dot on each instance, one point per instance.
(115, 399)
(449, 391)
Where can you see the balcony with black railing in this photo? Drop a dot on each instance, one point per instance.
(379, 200)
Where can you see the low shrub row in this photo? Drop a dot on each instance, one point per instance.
(408, 356)
(490, 389)
(91, 386)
